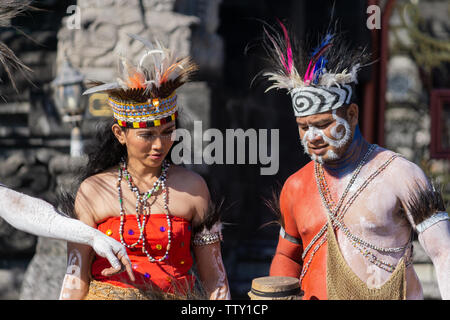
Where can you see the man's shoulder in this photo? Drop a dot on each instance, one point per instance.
(296, 180)
(401, 165)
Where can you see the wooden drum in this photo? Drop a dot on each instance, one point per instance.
(275, 288)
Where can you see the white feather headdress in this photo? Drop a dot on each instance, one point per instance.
(318, 79)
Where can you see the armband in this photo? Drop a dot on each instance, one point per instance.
(425, 203)
(208, 236)
(435, 218)
(289, 238)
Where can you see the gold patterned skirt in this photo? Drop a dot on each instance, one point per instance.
(99, 290)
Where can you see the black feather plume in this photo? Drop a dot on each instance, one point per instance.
(273, 203)
(65, 204)
(212, 216)
(423, 202)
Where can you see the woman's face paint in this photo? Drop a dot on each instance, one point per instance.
(324, 136)
(149, 146)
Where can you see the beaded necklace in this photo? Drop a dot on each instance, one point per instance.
(358, 243)
(334, 212)
(341, 200)
(141, 206)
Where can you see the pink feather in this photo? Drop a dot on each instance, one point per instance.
(308, 75)
(289, 48)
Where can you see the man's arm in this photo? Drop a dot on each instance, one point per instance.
(287, 259)
(426, 212)
(436, 242)
(38, 217)
(432, 224)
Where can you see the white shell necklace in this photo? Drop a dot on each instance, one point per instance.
(141, 206)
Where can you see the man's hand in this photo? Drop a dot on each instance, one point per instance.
(116, 254)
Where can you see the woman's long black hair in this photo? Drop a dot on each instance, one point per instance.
(105, 151)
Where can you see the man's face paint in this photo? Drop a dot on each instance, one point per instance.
(317, 143)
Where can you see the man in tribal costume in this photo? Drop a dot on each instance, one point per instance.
(349, 215)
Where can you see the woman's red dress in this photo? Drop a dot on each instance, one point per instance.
(170, 275)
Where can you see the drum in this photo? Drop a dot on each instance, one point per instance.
(275, 288)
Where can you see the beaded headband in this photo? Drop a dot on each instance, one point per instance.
(153, 113)
(318, 80)
(145, 96)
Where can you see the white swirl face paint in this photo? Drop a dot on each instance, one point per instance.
(341, 138)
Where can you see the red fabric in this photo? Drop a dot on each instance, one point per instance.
(304, 215)
(170, 275)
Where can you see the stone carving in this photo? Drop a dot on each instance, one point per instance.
(403, 80)
(102, 34)
(188, 26)
(207, 45)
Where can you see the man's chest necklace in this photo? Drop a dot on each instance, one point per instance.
(337, 211)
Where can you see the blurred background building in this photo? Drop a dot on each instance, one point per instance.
(404, 104)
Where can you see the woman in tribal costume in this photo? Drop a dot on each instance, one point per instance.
(134, 194)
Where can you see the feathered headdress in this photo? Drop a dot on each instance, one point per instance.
(8, 60)
(318, 79)
(144, 95)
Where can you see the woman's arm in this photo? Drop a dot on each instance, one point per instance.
(206, 244)
(75, 285)
(79, 257)
(212, 271)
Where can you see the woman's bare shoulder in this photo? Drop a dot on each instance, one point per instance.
(98, 186)
(105, 177)
(187, 179)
